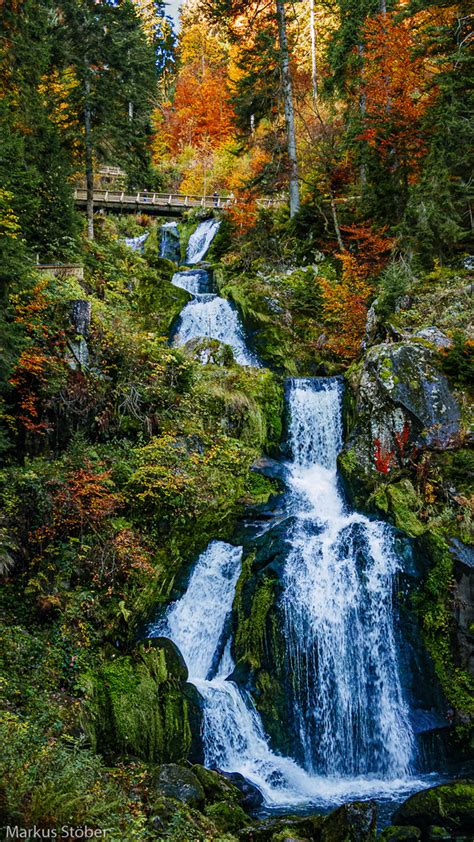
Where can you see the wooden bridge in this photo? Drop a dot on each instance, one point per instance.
(159, 204)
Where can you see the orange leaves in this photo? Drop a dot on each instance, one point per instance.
(368, 252)
(80, 504)
(345, 303)
(40, 362)
(345, 315)
(201, 110)
(397, 89)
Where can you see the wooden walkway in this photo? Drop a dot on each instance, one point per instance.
(159, 204)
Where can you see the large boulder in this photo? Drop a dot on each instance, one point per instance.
(400, 400)
(141, 704)
(297, 828)
(450, 806)
(179, 783)
(354, 822)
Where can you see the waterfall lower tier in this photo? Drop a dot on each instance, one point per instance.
(337, 599)
(349, 710)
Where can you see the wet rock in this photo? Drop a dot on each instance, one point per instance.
(170, 247)
(81, 311)
(179, 783)
(270, 468)
(463, 601)
(300, 828)
(354, 822)
(396, 833)
(450, 806)
(251, 798)
(209, 352)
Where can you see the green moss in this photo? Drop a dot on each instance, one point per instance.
(449, 805)
(227, 817)
(403, 504)
(134, 705)
(252, 629)
(433, 604)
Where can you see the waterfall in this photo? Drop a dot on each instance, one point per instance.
(136, 243)
(200, 240)
(209, 315)
(169, 242)
(350, 714)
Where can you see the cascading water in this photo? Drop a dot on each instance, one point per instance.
(349, 710)
(200, 240)
(136, 243)
(207, 314)
(169, 242)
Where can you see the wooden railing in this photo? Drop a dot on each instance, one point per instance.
(144, 200)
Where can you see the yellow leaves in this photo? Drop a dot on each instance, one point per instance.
(9, 223)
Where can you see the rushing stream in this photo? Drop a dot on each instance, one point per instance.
(208, 315)
(349, 711)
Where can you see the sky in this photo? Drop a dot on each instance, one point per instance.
(172, 9)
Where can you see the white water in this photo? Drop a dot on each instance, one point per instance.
(350, 713)
(169, 241)
(200, 240)
(136, 243)
(208, 315)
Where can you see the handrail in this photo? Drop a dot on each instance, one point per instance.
(143, 196)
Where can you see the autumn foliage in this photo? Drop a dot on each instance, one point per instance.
(398, 90)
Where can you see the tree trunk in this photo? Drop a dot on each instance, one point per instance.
(314, 75)
(89, 160)
(336, 224)
(362, 108)
(288, 106)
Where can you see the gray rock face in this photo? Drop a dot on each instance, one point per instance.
(81, 311)
(463, 600)
(401, 400)
(173, 781)
(169, 242)
(435, 337)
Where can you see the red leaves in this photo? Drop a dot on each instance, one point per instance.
(383, 458)
(80, 503)
(402, 439)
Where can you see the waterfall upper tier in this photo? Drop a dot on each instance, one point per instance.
(208, 315)
(200, 240)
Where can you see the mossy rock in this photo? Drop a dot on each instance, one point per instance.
(284, 827)
(136, 704)
(354, 822)
(216, 787)
(396, 833)
(450, 806)
(401, 503)
(179, 783)
(227, 817)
